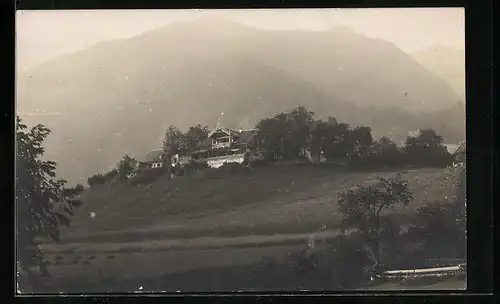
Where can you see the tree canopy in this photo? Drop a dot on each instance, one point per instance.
(43, 203)
(126, 166)
(361, 207)
(176, 141)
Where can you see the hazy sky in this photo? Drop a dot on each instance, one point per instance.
(45, 35)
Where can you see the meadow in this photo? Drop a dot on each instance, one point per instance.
(210, 231)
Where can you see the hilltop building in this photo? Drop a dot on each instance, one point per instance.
(223, 145)
(153, 159)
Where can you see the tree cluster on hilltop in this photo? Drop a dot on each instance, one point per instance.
(292, 135)
(287, 135)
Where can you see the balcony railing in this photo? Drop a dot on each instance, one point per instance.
(229, 158)
(221, 145)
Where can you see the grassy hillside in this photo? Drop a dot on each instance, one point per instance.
(181, 234)
(266, 201)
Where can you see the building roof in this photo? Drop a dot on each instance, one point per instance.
(155, 156)
(243, 137)
(378, 144)
(222, 129)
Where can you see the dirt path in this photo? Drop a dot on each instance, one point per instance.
(202, 243)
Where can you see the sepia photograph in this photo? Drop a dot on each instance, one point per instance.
(240, 150)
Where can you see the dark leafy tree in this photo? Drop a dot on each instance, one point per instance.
(43, 203)
(389, 152)
(361, 207)
(271, 132)
(319, 135)
(299, 124)
(361, 139)
(338, 141)
(426, 148)
(174, 141)
(286, 135)
(126, 166)
(195, 136)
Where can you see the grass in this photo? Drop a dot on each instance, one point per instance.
(158, 270)
(184, 233)
(290, 199)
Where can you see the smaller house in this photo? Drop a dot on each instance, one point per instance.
(153, 159)
(181, 159)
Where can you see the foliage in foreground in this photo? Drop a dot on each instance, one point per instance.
(442, 228)
(339, 265)
(361, 208)
(43, 204)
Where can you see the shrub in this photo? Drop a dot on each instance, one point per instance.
(339, 265)
(441, 227)
(96, 179)
(102, 178)
(110, 175)
(269, 157)
(233, 168)
(260, 162)
(79, 188)
(146, 176)
(194, 166)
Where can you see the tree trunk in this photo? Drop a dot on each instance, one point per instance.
(377, 241)
(167, 165)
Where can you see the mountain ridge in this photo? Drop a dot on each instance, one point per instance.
(445, 61)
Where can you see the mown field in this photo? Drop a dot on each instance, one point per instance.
(209, 231)
(266, 201)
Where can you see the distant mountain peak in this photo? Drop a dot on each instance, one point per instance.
(206, 23)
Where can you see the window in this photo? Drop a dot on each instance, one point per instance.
(156, 165)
